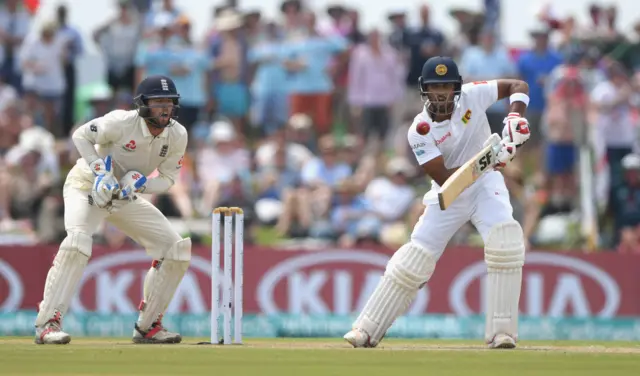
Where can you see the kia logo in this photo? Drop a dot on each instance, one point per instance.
(304, 289)
(16, 289)
(113, 260)
(572, 289)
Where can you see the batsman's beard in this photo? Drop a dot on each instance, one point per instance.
(440, 104)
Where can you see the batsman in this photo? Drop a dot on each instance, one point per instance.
(118, 151)
(452, 129)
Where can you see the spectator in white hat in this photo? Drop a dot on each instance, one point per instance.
(218, 164)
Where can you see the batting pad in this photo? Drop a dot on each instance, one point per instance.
(161, 283)
(504, 255)
(64, 276)
(409, 269)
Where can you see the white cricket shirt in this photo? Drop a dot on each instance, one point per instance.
(460, 138)
(124, 135)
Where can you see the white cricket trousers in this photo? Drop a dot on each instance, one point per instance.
(138, 219)
(485, 203)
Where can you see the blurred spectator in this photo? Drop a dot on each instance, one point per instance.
(610, 37)
(400, 39)
(11, 119)
(361, 157)
(100, 103)
(154, 55)
(424, 43)
(30, 174)
(567, 95)
(492, 17)
(74, 47)
(161, 7)
(297, 154)
(626, 206)
(338, 22)
(321, 174)
(348, 220)
(534, 66)
(189, 71)
(253, 26)
(469, 26)
(390, 197)
(43, 78)
(8, 95)
(570, 41)
(355, 35)
(628, 52)
(374, 72)
(218, 164)
(270, 97)
(118, 40)
(400, 36)
(279, 197)
(614, 125)
(307, 59)
(292, 11)
(14, 27)
(142, 6)
(229, 53)
(488, 61)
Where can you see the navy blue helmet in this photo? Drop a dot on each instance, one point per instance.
(440, 71)
(154, 87)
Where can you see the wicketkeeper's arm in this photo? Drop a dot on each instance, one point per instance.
(99, 131)
(168, 171)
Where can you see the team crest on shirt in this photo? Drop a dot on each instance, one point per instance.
(467, 116)
(180, 162)
(129, 146)
(441, 70)
(164, 150)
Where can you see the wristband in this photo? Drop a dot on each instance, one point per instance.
(519, 97)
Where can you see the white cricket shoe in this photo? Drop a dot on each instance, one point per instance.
(156, 334)
(51, 334)
(502, 341)
(358, 338)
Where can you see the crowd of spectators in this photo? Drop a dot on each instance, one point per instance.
(302, 120)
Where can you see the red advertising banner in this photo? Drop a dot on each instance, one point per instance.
(335, 281)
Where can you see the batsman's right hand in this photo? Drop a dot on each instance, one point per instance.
(105, 185)
(505, 155)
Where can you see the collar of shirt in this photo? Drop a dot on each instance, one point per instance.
(146, 133)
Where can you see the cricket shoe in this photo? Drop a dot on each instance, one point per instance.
(51, 334)
(156, 334)
(502, 341)
(358, 338)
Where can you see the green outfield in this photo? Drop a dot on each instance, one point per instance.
(317, 357)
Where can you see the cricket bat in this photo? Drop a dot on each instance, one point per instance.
(468, 173)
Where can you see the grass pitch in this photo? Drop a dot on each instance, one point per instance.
(317, 357)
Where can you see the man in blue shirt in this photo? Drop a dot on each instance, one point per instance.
(534, 66)
(307, 60)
